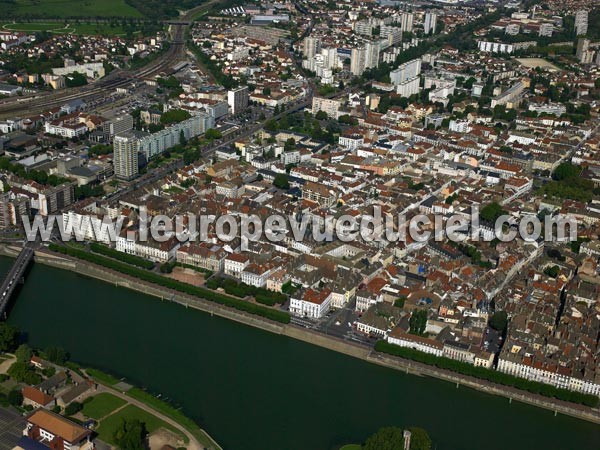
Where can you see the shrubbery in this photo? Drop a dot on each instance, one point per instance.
(241, 305)
(487, 374)
(242, 290)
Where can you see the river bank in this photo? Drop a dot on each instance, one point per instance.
(308, 336)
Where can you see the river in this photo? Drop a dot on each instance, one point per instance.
(252, 390)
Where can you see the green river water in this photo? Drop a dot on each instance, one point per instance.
(252, 390)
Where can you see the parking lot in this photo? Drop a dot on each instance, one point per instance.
(12, 425)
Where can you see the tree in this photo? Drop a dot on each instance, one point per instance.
(491, 212)
(419, 439)
(21, 371)
(321, 115)
(418, 322)
(8, 337)
(130, 435)
(73, 408)
(499, 321)
(386, 438)
(566, 171)
(212, 134)
(289, 145)
(281, 181)
(552, 271)
(174, 116)
(24, 353)
(182, 139)
(56, 355)
(15, 397)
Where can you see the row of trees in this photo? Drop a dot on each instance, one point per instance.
(142, 274)
(242, 290)
(482, 373)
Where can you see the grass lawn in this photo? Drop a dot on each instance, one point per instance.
(108, 425)
(172, 413)
(351, 447)
(102, 377)
(62, 27)
(67, 8)
(101, 405)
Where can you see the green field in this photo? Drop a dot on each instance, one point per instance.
(351, 447)
(108, 425)
(102, 405)
(62, 27)
(67, 8)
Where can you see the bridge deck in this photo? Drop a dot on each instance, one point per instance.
(12, 278)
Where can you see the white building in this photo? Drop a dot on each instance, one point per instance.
(495, 47)
(581, 22)
(409, 87)
(235, 264)
(430, 22)
(406, 71)
(238, 99)
(329, 106)
(398, 337)
(125, 160)
(311, 303)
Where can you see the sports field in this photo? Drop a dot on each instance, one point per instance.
(67, 8)
(537, 62)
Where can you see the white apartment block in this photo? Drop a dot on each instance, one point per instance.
(329, 106)
(312, 304)
(409, 87)
(495, 47)
(406, 71)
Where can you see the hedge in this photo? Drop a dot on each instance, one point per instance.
(207, 294)
(115, 254)
(239, 289)
(482, 373)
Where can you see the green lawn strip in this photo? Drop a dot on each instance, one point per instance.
(172, 413)
(102, 377)
(108, 425)
(102, 405)
(351, 447)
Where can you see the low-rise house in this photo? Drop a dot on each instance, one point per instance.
(36, 398)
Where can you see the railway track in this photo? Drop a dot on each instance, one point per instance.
(35, 104)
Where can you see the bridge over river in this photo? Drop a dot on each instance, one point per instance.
(14, 277)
